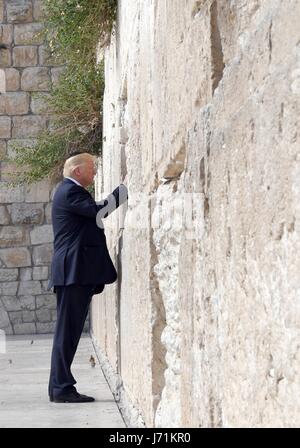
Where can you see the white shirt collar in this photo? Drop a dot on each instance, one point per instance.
(74, 180)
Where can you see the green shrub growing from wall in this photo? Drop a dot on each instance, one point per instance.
(74, 29)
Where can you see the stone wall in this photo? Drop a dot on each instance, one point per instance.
(25, 212)
(202, 114)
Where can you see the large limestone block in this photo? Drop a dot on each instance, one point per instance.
(46, 301)
(28, 316)
(9, 288)
(42, 255)
(16, 103)
(13, 236)
(40, 273)
(28, 126)
(25, 274)
(6, 34)
(28, 34)
(29, 287)
(12, 78)
(15, 257)
(43, 315)
(35, 79)
(41, 234)
(25, 56)
(18, 303)
(8, 275)
(19, 11)
(27, 213)
(9, 171)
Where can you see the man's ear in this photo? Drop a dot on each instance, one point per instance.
(77, 171)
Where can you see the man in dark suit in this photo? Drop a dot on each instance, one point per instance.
(81, 266)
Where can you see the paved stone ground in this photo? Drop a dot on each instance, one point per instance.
(24, 370)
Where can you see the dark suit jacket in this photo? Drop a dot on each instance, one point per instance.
(80, 252)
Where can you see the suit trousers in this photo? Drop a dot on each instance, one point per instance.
(72, 308)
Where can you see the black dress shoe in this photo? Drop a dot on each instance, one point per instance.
(72, 397)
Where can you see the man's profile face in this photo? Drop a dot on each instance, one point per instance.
(87, 171)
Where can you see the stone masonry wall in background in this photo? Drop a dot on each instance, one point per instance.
(25, 221)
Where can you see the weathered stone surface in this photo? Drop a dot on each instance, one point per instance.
(216, 108)
(6, 34)
(5, 57)
(27, 213)
(28, 34)
(28, 126)
(13, 236)
(5, 127)
(12, 76)
(29, 287)
(15, 257)
(19, 11)
(40, 273)
(8, 288)
(4, 320)
(45, 328)
(35, 79)
(26, 274)
(43, 315)
(16, 317)
(42, 255)
(28, 316)
(8, 275)
(9, 171)
(16, 103)
(41, 234)
(18, 303)
(25, 56)
(4, 216)
(25, 328)
(8, 195)
(38, 192)
(46, 301)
